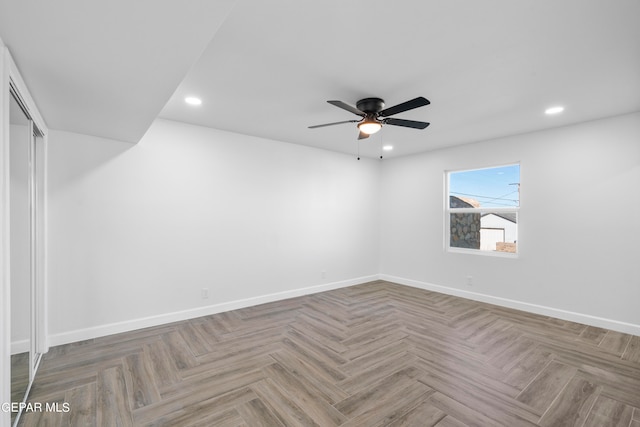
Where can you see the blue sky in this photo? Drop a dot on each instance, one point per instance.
(493, 187)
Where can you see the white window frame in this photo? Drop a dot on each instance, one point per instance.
(448, 210)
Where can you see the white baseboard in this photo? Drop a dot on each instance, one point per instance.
(131, 325)
(585, 319)
(126, 326)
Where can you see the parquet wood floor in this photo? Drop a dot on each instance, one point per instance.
(377, 354)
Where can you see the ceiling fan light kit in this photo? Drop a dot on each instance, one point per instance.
(374, 115)
(369, 126)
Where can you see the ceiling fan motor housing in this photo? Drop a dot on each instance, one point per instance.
(370, 105)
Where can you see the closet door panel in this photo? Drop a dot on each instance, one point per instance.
(20, 239)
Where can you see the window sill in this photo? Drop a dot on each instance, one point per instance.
(483, 253)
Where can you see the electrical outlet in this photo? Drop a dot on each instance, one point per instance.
(469, 280)
(205, 293)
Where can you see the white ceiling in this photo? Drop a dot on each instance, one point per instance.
(489, 67)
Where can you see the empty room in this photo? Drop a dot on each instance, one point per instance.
(337, 213)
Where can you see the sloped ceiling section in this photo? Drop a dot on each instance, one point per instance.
(107, 68)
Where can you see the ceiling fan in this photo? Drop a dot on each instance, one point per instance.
(374, 115)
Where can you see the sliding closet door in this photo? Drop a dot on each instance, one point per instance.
(20, 238)
(22, 229)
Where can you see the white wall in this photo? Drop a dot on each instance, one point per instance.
(579, 235)
(136, 231)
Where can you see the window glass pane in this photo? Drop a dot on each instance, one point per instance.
(485, 188)
(487, 231)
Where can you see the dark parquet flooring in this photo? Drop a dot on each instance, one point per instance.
(377, 354)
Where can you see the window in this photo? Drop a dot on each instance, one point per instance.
(482, 210)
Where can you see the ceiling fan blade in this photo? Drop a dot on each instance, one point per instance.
(405, 106)
(406, 123)
(347, 107)
(334, 123)
(363, 135)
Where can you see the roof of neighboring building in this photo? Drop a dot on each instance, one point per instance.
(509, 216)
(460, 202)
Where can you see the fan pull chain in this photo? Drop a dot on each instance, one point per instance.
(358, 149)
(380, 145)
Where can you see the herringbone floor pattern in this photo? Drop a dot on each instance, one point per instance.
(377, 354)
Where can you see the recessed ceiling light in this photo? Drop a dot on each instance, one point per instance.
(554, 110)
(192, 100)
(387, 147)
